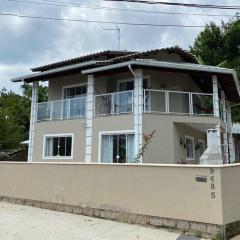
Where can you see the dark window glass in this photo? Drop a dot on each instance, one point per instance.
(55, 146)
(122, 148)
(62, 146)
(75, 91)
(115, 148)
(68, 146)
(59, 146)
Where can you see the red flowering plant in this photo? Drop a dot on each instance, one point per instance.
(147, 138)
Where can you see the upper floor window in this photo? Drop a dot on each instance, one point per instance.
(58, 146)
(75, 91)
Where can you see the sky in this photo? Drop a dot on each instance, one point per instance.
(27, 43)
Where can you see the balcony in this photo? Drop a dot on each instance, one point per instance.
(62, 109)
(154, 101)
(174, 102)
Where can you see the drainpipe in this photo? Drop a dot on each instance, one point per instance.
(132, 71)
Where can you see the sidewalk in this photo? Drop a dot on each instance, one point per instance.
(29, 223)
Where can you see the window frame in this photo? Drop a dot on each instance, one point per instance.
(117, 132)
(57, 136)
(194, 154)
(72, 86)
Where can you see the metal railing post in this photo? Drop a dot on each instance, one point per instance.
(144, 100)
(112, 105)
(132, 101)
(191, 103)
(167, 101)
(68, 108)
(51, 110)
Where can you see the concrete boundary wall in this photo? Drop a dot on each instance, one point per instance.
(198, 198)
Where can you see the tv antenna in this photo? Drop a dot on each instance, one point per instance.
(118, 31)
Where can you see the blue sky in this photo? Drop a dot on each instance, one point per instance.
(25, 43)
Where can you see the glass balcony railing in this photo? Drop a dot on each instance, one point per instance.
(62, 109)
(114, 103)
(154, 101)
(173, 102)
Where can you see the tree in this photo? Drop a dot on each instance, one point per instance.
(15, 114)
(209, 45)
(219, 46)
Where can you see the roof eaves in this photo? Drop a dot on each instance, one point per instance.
(52, 71)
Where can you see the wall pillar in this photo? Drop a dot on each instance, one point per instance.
(230, 135)
(138, 109)
(89, 117)
(215, 96)
(216, 109)
(225, 133)
(33, 118)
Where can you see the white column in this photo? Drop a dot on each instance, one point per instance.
(230, 136)
(138, 109)
(89, 116)
(225, 133)
(33, 117)
(215, 96)
(216, 109)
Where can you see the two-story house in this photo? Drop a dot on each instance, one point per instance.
(101, 105)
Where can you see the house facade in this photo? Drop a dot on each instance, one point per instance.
(100, 107)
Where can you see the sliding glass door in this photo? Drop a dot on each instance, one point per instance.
(117, 148)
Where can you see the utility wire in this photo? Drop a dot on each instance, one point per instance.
(191, 5)
(65, 4)
(100, 22)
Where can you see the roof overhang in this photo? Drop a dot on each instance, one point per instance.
(180, 67)
(43, 76)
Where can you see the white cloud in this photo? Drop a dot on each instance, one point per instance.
(25, 43)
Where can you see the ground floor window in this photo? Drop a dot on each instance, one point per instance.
(117, 147)
(190, 148)
(56, 146)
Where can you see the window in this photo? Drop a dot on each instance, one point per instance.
(128, 84)
(75, 91)
(117, 147)
(58, 146)
(190, 148)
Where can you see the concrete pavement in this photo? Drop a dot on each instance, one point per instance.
(19, 222)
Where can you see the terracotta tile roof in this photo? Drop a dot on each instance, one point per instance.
(118, 56)
(186, 55)
(104, 55)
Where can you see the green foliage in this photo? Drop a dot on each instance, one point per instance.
(147, 140)
(220, 46)
(209, 45)
(14, 116)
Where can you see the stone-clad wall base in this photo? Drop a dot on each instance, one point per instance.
(204, 230)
